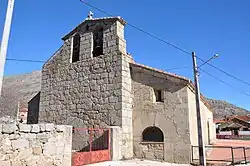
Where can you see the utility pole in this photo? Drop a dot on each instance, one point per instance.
(202, 157)
(5, 40)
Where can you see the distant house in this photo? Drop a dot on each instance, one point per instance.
(22, 113)
(233, 125)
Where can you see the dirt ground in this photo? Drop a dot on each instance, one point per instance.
(135, 162)
(226, 152)
(215, 154)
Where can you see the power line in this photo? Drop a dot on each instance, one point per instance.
(168, 43)
(139, 29)
(231, 86)
(25, 60)
(228, 74)
(37, 61)
(177, 68)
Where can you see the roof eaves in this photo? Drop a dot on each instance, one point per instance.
(160, 71)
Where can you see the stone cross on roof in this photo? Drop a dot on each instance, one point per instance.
(90, 15)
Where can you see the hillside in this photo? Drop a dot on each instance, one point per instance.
(23, 87)
(19, 88)
(223, 108)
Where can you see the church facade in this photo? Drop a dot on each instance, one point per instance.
(92, 82)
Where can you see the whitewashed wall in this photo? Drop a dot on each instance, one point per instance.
(244, 132)
(225, 133)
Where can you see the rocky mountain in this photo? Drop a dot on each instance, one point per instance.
(223, 108)
(22, 88)
(18, 89)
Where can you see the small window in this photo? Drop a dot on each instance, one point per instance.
(152, 134)
(158, 95)
(98, 42)
(76, 48)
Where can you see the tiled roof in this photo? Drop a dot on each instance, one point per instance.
(243, 118)
(230, 118)
(230, 125)
(219, 121)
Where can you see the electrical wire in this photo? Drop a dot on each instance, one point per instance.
(168, 43)
(25, 60)
(177, 68)
(229, 85)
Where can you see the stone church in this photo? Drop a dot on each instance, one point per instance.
(91, 81)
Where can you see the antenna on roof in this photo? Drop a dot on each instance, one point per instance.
(90, 15)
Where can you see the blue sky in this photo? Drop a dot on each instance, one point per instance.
(206, 27)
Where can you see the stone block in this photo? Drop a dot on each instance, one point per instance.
(60, 128)
(49, 149)
(5, 163)
(115, 142)
(20, 143)
(35, 128)
(59, 150)
(6, 141)
(31, 163)
(32, 160)
(3, 157)
(28, 136)
(24, 128)
(66, 159)
(52, 140)
(42, 127)
(6, 149)
(12, 155)
(113, 99)
(16, 162)
(1, 126)
(49, 127)
(14, 136)
(45, 162)
(35, 143)
(37, 150)
(9, 128)
(42, 137)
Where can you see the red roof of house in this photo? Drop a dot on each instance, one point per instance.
(219, 120)
(243, 118)
(230, 118)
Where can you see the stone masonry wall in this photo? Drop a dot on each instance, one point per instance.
(127, 99)
(90, 93)
(35, 145)
(152, 151)
(87, 93)
(171, 115)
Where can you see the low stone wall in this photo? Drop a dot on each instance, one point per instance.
(151, 150)
(35, 145)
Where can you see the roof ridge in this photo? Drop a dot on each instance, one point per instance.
(120, 19)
